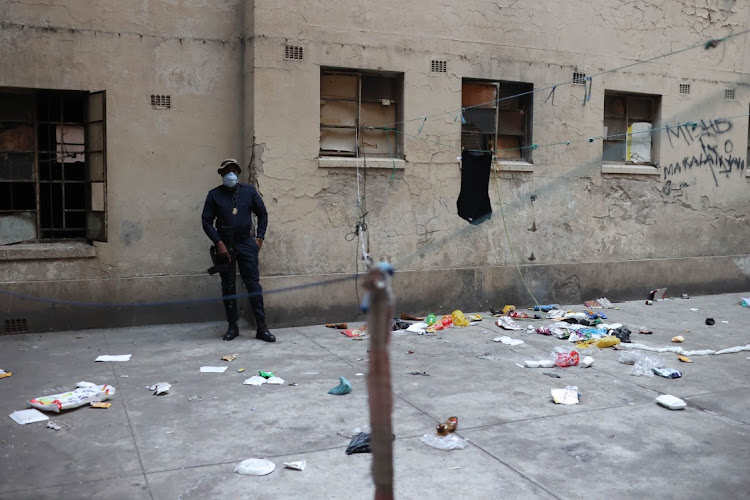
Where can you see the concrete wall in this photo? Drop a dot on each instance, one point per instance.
(233, 94)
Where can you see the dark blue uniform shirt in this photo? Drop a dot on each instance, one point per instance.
(219, 205)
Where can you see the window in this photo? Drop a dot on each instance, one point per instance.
(496, 117)
(52, 166)
(352, 102)
(628, 120)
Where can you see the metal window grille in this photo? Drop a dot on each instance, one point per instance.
(161, 101)
(293, 52)
(579, 78)
(439, 66)
(685, 88)
(729, 94)
(16, 326)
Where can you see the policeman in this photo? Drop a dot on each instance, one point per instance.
(231, 205)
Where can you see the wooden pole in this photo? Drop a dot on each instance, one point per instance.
(380, 397)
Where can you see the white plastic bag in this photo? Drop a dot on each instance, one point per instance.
(449, 442)
(255, 467)
(85, 393)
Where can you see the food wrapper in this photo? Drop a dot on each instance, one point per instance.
(85, 393)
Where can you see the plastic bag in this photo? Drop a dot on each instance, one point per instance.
(359, 443)
(85, 393)
(506, 323)
(449, 442)
(459, 319)
(344, 387)
(643, 364)
(564, 356)
(255, 467)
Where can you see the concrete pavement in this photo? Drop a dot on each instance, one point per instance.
(616, 443)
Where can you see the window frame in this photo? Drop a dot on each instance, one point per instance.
(525, 106)
(90, 116)
(654, 118)
(393, 130)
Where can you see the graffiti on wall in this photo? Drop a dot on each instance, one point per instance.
(712, 149)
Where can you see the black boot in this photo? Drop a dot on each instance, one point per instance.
(232, 332)
(263, 333)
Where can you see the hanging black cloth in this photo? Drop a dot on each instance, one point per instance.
(474, 199)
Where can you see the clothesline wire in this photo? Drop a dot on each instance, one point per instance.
(708, 44)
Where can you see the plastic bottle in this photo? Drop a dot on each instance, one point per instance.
(447, 427)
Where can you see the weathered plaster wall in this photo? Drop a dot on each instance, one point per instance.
(589, 232)
(580, 214)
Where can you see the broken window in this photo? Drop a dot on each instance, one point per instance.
(360, 114)
(628, 120)
(52, 166)
(496, 117)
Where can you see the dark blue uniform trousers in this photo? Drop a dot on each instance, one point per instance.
(246, 253)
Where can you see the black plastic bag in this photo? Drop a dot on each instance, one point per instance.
(359, 444)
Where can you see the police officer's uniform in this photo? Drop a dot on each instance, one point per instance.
(232, 209)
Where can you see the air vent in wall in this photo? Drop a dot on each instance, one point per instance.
(16, 326)
(161, 101)
(729, 94)
(293, 52)
(685, 88)
(579, 78)
(439, 66)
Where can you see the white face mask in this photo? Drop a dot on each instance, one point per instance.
(230, 179)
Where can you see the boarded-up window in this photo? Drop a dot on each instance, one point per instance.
(360, 114)
(628, 121)
(52, 165)
(496, 117)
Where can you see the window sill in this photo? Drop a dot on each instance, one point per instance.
(513, 166)
(40, 251)
(626, 168)
(336, 162)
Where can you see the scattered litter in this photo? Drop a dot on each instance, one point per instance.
(213, 369)
(684, 359)
(667, 372)
(293, 384)
(240, 370)
(229, 357)
(417, 327)
(564, 356)
(53, 426)
(587, 361)
(358, 332)
(694, 309)
(552, 375)
(410, 317)
(606, 342)
(123, 376)
(400, 325)
(4, 374)
(671, 402)
(117, 357)
(195, 398)
(685, 296)
(85, 392)
(539, 363)
(725, 322)
(344, 387)
(409, 352)
(567, 396)
(159, 388)
(678, 339)
(424, 374)
(745, 302)
(360, 443)
(658, 294)
(643, 364)
(507, 340)
(649, 302)
(340, 326)
(254, 380)
(360, 374)
(447, 427)
(546, 308)
(454, 468)
(680, 350)
(486, 355)
(255, 467)
(644, 330)
(318, 373)
(599, 304)
(506, 323)
(24, 417)
(101, 405)
(298, 465)
(275, 381)
(459, 319)
(449, 442)
(710, 321)
(622, 333)
(265, 374)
